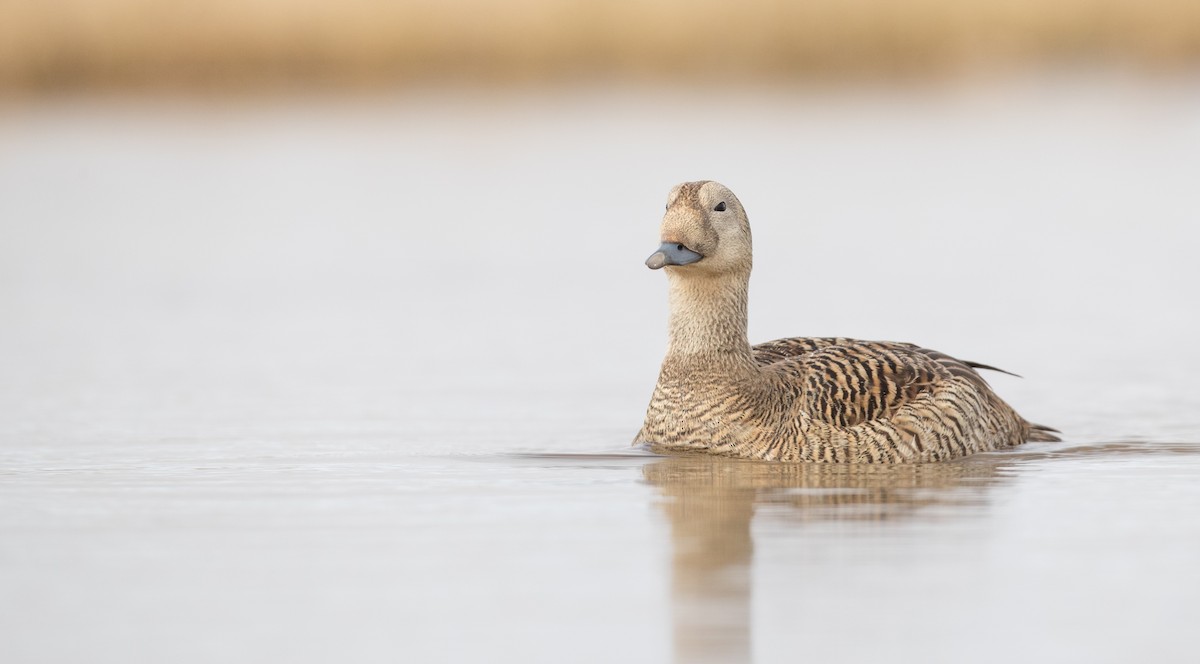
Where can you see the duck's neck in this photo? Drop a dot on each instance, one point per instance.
(708, 320)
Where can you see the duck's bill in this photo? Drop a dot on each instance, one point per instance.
(672, 253)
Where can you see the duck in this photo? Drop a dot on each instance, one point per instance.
(802, 399)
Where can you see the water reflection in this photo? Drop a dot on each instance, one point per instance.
(711, 504)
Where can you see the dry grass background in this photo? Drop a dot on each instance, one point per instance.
(48, 44)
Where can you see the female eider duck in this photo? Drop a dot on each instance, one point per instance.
(802, 399)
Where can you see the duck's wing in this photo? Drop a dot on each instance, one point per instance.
(782, 349)
(846, 382)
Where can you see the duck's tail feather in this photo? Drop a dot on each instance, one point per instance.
(980, 365)
(1043, 434)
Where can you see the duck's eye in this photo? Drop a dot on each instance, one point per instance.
(720, 207)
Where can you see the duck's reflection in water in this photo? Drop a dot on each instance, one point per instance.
(711, 503)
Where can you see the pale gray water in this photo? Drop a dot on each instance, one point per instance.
(311, 380)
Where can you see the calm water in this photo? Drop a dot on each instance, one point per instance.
(308, 380)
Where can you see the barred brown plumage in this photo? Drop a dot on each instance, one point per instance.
(801, 399)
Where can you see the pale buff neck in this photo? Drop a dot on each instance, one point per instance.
(708, 319)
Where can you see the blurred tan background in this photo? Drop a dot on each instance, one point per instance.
(54, 44)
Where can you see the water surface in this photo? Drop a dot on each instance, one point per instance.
(308, 379)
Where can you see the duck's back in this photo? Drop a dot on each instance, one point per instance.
(886, 401)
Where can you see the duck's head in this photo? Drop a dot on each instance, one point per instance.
(705, 231)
